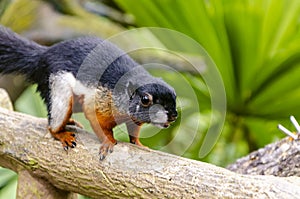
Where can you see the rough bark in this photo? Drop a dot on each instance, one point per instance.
(5, 101)
(30, 187)
(279, 159)
(130, 171)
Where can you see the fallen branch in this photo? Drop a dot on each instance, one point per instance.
(130, 171)
(279, 159)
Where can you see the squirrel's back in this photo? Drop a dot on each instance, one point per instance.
(90, 59)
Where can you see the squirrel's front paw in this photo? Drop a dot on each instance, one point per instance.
(136, 141)
(106, 147)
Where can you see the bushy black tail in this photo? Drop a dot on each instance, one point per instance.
(17, 54)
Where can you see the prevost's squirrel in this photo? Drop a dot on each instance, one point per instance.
(111, 87)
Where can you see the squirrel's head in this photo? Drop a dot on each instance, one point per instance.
(153, 103)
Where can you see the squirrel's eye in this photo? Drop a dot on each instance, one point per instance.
(146, 99)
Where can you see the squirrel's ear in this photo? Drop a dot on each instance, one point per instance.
(130, 89)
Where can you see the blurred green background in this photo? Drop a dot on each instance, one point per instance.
(255, 45)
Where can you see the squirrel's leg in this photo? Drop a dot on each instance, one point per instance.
(75, 123)
(60, 110)
(134, 132)
(102, 126)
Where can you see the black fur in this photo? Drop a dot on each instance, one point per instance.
(161, 95)
(18, 55)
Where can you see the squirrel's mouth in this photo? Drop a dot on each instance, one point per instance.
(161, 125)
(163, 121)
(164, 124)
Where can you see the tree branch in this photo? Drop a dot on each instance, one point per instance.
(130, 171)
(279, 159)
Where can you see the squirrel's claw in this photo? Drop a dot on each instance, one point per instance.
(66, 147)
(67, 139)
(106, 147)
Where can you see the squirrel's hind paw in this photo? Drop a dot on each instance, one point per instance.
(67, 139)
(105, 148)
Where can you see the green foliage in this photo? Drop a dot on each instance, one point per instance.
(31, 103)
(254, 44)
(8, 184)
(3, 5)
(255, 47)
(19, 15)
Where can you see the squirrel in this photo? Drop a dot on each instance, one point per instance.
(110, 86)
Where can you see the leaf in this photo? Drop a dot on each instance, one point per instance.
(31, 103)
(9, 187)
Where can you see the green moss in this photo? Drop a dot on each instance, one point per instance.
(32, 164)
